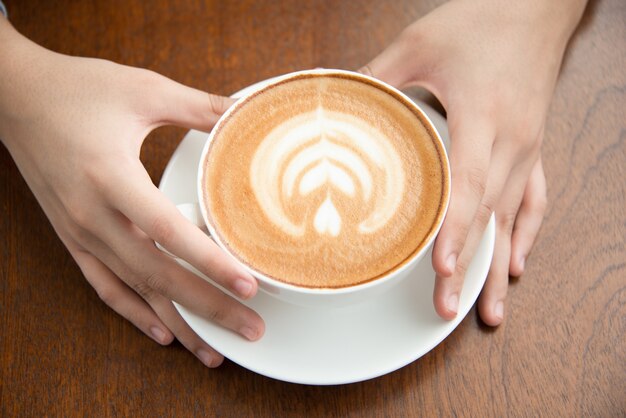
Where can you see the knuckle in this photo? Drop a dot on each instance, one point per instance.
(217, 315)
(158, 282)
(220, 309)
(144, 288)
(80, 214)
(145, 79)
(526, 136)
(217, 104)
(485, 209)
(80, 234)
(475, 179)
(505, 221)
(93, 175)
(527, 143)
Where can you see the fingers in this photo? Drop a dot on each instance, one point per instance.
(470, 156)
(386, 66)
(492, 299)
(154, 214)
(493, 295)
(121, 298)
(157, 308)
(447, 290)
(152, 275)
(184, 106)
(408, 61)
(128, 304)
(480, 171)
(529, 219)
(491, 302)
(205, 353)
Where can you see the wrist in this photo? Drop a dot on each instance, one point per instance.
(24, 66)
(561, 17)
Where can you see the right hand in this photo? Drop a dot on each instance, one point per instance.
(74, 127)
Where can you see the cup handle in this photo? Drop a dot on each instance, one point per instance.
(192, 212)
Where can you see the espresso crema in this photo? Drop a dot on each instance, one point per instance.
(324, 181)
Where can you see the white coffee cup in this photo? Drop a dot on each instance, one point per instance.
(307, 296)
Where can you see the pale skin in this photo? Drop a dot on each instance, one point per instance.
(74, 127)
(493, 65)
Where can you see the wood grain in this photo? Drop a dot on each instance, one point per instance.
(560, 352)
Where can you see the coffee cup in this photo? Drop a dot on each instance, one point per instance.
(328, 186)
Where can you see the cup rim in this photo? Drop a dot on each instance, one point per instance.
(395, 271)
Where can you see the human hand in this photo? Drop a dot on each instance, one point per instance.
(74, 127)
(493, 66)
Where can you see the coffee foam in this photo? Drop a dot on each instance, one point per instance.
(329, 151)
(334, 183)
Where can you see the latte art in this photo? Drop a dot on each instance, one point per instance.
(324, 181)
(333, 152)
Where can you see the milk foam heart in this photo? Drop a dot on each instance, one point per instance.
(333, 152)
(324, 181)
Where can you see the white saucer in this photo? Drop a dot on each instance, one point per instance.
(323, 346)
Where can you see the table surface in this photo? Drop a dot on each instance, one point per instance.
(561, 350)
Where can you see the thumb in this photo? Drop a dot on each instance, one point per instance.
(393, 65)
(188, 107)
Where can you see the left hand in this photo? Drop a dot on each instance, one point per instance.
(493, 66)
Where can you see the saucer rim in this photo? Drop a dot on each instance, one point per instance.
(336, 379)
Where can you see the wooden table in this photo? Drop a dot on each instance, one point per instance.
(561, 350)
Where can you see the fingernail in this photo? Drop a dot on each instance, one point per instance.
(451, 263)
(249, 333)
(453, 303)
(243, 287)
(522, 262)
(206, 358)
(498, 310)
(157, 334)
